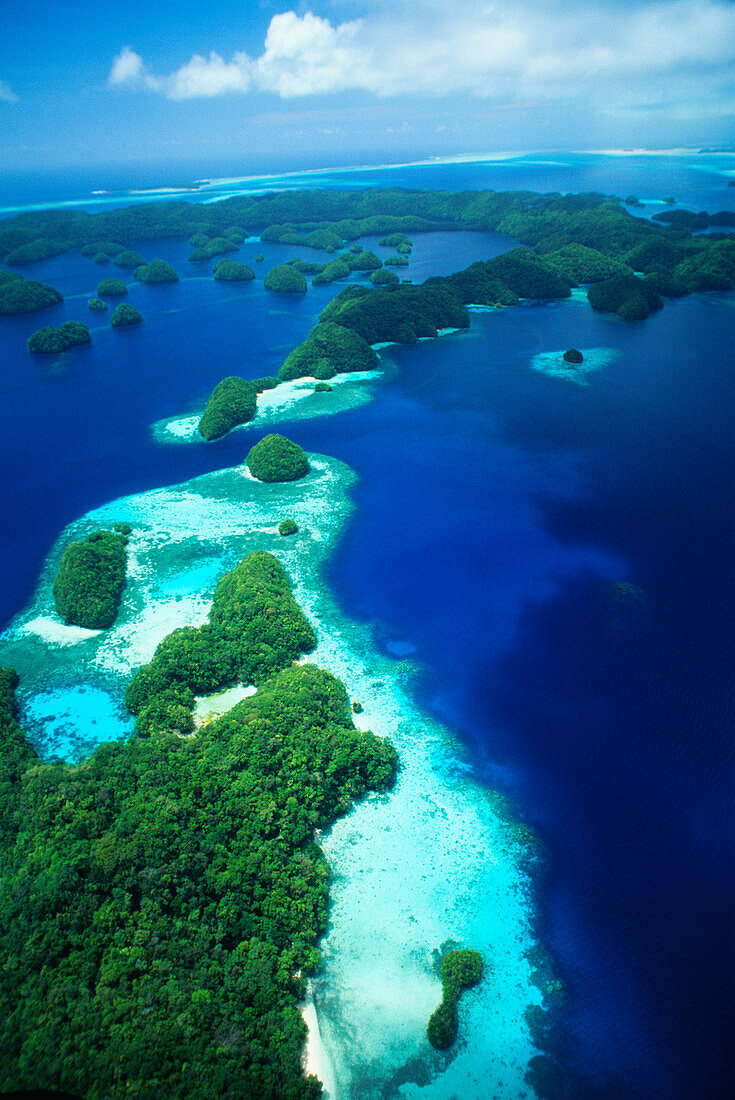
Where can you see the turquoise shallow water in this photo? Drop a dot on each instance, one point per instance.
(434, 862)
(500, 515)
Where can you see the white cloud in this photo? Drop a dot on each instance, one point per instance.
(7, 94)
(305, 55)
(127, 68)
(209, 76)
(607, 51)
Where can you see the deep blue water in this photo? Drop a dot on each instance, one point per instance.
(499, 511)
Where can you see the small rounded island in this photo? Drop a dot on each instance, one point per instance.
(287, 527)
(573, 355)
(125, 315)
(276, 458)
(111, 288)
(157, 271)
(285, 279)
(229, 271)
(383, 277)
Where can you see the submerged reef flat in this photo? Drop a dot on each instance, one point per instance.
(555, 365)
(295, 400)
(430, 864)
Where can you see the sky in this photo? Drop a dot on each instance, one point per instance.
(339, 82)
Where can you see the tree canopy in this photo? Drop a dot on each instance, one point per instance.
(53, 340)
(329, 349)
(233, 401)
(285, 279)
(161, 903)
(276, 458)
(90, 579)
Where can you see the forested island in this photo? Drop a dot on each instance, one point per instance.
(125, 315)
(90, 579)
(460, 969)
(50, 340)
(285, 279)
(157, 271)
(162, 903)
(276, 458)
(21, 295)
(229, 271)
(233, 401)
(665, 251)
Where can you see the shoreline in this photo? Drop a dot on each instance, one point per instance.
(430, 863)
(315, 1059)
(292, 400)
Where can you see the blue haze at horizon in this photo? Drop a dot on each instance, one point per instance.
(495, 508)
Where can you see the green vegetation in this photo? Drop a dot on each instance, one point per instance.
(401, 314)
(157, 271)
(363, 261)
(258, 258)
(527, 275)
(97, 305)
(329, 349)
(111, 288)
(579, 264)
(29, 253)
(266, 383)
(101, 258)
(628, 296)
(51, 340)
(325, 238)
(90, 579)
(21, 295)
(355, 248)
(255, 629)
(125, 315)
(686, 220)
(478, 285)
(335, 269)
(547, 224)
(233, 401)
(308, 268)
(393, 240)
(228, 271)
(287, 527)
(162, 903)
(460, 970)
(236, 233)
(216, 247)
(129, 259)
(381, 277)
(285, 279)
(323, 387)
(573, 355)
(276, 458)
(106, 248)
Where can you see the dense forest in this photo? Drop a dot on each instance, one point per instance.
(161, 902)
(664, 251)
(90, 579)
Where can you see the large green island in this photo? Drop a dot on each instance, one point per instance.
(162, 903)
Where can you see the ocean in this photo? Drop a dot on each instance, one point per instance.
(553, 558)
